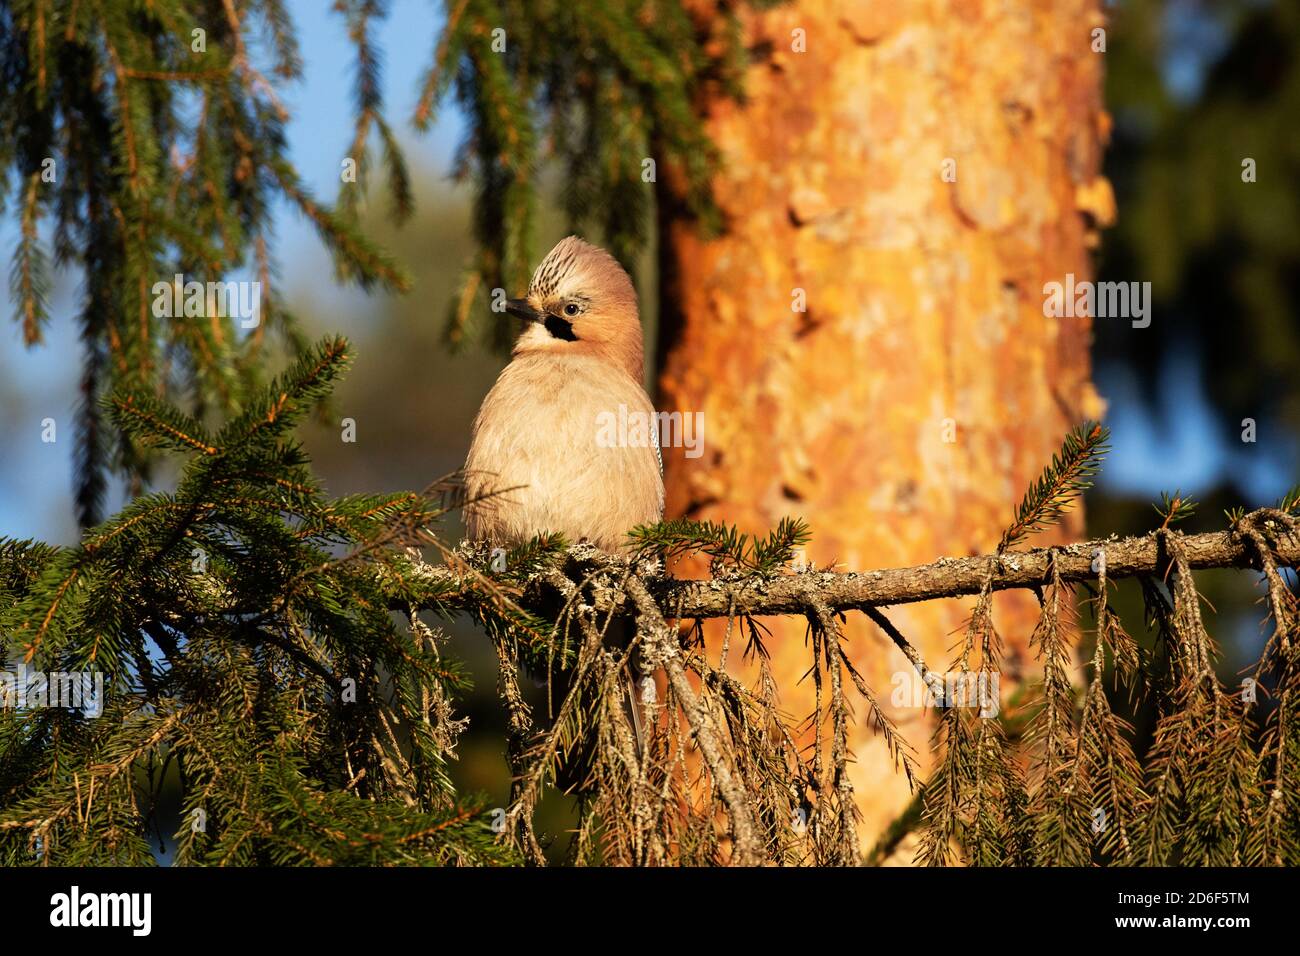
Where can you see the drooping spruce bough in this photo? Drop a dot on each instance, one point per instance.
(245, 628)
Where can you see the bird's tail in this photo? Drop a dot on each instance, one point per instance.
(622, 633)
(634, 711)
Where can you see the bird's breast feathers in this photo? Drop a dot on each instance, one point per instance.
(568, 447)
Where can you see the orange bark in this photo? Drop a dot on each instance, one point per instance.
(924, 316)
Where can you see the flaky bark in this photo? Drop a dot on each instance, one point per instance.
(924, 299)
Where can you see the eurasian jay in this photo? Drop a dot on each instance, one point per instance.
(538, 461)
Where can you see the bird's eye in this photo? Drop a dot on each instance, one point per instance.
(571, 309)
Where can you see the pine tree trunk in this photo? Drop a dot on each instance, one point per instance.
(903, 412)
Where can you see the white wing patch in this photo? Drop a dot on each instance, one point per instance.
(659, 455)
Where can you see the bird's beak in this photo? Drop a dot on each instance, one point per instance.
(521, 308)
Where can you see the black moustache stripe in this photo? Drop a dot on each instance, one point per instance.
(559, 328)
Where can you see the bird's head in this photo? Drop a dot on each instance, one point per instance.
(581, 301)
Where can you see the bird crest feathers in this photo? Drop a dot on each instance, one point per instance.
(569, 256)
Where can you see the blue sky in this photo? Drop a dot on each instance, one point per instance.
(1177, 445)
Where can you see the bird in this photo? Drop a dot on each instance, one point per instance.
(539, 459)
(537, 463)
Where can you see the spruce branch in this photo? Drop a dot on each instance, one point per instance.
(1174, 508)
(1133, 557)
(1065, 479)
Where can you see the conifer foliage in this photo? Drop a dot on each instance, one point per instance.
(246, 646)
(140, 141)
